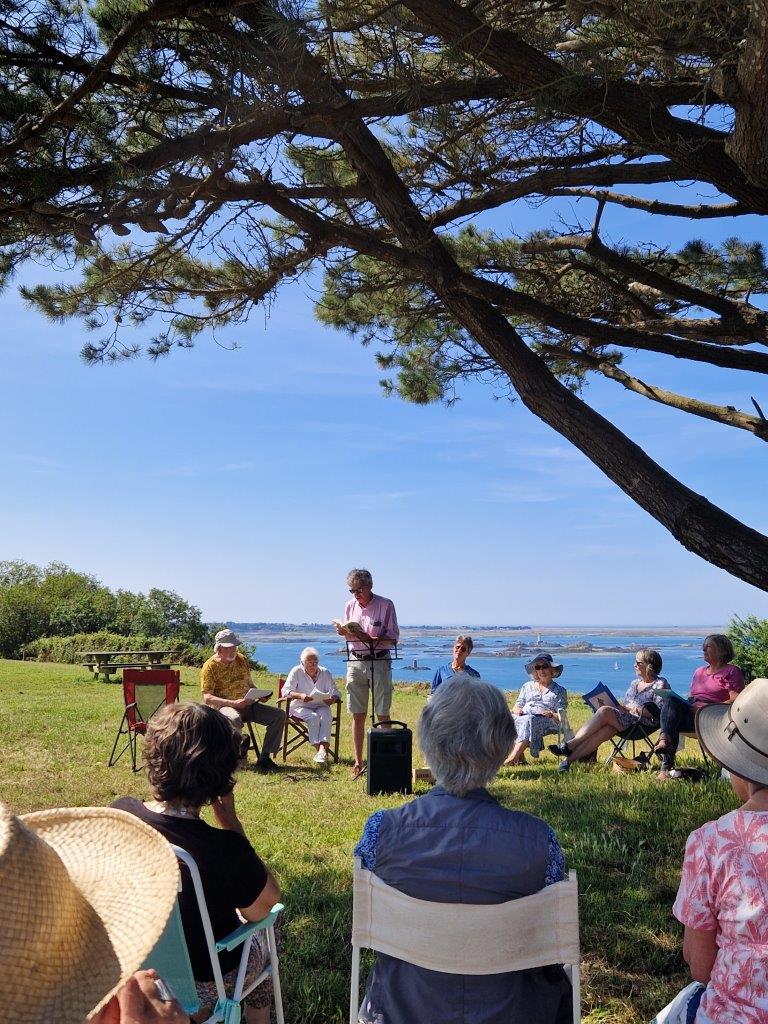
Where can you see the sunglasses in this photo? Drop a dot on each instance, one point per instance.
(540, 668)
(357, 590)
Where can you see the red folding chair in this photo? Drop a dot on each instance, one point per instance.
(145, 691)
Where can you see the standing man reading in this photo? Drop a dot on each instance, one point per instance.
(370, 647)
(225, 680)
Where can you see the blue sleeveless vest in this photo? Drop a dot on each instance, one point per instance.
(463, 850)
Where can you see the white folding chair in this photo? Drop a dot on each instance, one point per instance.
(170, 957)
(466, 938)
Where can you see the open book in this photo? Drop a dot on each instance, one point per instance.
(318, 696)
(600, 696)
(255, 694)
(351, 627)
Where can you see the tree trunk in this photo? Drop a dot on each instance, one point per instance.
(696, 523)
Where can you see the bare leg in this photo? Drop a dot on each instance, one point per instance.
(516, 754)
(358, 733)
(596, 724)
(587, 745)
(385, 720)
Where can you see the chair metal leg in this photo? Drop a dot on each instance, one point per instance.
(120, 733)
(276, 989)
(354, 987)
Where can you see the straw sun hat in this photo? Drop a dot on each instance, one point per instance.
(84, 895)
(736, 735)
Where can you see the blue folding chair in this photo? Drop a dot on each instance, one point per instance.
(170, 957)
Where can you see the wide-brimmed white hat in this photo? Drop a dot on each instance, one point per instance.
(85, 894)
(736, 735)
(557, 669)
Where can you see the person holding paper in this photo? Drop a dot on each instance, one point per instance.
(313, 691)
(370, 627)
(225, 680)
(537, 708)
(642, 703)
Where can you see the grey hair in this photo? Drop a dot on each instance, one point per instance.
(465, 732)
(723, 644)
(462, 639)
(650, 658)
(308, 652)
(359, 578)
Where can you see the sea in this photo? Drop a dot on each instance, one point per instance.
(420, 652)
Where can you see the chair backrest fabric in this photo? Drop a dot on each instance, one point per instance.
(146, 690)
(170, 958)
(461, 938)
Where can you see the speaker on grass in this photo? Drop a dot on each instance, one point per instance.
(390, 754)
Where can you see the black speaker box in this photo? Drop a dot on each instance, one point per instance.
(390, 754)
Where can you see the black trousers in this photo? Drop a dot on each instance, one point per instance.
(676, 717)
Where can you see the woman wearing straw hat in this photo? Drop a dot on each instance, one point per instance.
(537, 707)
(722, 900)
(85, 894)
(191, 753)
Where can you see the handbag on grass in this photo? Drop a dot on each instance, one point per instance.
(683, 1008)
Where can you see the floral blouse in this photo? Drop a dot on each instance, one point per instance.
(533, 700)
(639, 698)
(724, 889)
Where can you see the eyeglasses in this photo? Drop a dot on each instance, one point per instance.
(357, 590)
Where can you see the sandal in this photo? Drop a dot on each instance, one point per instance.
(357, 770)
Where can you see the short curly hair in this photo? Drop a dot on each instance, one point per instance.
(190, 754)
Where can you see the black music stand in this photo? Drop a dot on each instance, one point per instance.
(372, 643)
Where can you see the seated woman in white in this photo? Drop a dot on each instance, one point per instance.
(313, 691)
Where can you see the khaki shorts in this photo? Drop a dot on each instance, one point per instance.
(359, 685)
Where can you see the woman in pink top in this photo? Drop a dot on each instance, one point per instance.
(717, 682)
(723, 896)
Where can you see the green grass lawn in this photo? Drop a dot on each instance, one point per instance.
(624, 836)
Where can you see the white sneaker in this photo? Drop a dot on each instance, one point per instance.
(321, 757)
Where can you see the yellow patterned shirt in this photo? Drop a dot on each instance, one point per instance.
(227, 681)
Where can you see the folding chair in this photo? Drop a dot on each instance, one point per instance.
(639, 733)
(464, 938)
(295, 732)
(170, 957)
(145, 691)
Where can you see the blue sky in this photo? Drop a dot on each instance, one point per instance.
(251, 480)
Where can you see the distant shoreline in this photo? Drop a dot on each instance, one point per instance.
(284, 630)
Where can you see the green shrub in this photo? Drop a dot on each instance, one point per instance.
(750, 643)
(64, 649)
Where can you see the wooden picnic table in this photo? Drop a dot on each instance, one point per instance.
(102, 663)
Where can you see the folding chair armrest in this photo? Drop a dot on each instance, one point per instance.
(239, 935)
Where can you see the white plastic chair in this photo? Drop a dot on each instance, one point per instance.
(170, 957)
(465, 938)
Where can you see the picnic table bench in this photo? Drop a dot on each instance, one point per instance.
(102, 663)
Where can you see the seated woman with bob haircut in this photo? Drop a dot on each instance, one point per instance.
(457, 844)
(191, 754)
(642, 704)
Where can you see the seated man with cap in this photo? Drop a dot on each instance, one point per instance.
(225, 680)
